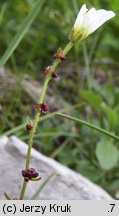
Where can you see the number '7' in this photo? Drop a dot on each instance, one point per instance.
(112, 207)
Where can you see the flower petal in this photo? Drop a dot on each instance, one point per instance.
(80, 16)
(91, 12)
(94, 20)
(88, 21)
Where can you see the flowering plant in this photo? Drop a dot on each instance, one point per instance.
(86, 23)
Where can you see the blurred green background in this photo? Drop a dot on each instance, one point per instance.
(86, 87)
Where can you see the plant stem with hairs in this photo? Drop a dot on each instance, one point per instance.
(36, 119)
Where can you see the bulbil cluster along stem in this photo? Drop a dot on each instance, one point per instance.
(37, 115)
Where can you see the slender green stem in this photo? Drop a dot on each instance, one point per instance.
(23, 190)
(36, 119)
(89, 125)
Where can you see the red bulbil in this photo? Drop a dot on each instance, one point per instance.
(54, 75)
(47, 70)
(31, 171)
(24, 173)
(44, 107)
(26, 179)
(29, 174)
(55, 56)
(35, 175)
(41, 107)
(62, 57)
(29, 127)
(59, 54)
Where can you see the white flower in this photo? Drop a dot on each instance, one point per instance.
(88, 21)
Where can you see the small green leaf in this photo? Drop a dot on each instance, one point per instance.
(107, 154)
(35, 179)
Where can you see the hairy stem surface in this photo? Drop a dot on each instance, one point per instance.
(37, 115)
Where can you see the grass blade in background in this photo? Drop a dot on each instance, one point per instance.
(42, 186)
(50, 115)
(89, 125)
(7, 197)
(22, 31)
(3, 10)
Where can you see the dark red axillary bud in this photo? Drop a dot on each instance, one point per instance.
(26, 179)
(41, 107)
(55, 56)
(29, 174)
(35, 175)
(44, 107)
(62, 57)
(31, 171)
(59, 54)
(24, 173)
(47, 70)
(54, 75)
(29, 127)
